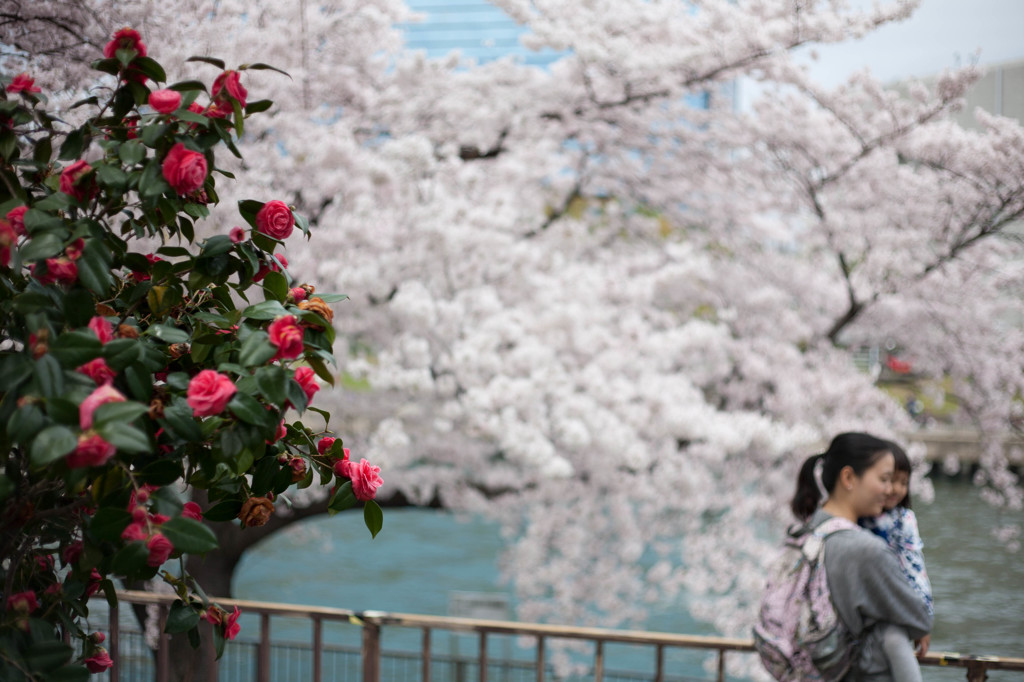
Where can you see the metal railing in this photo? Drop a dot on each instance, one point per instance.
(370, 653)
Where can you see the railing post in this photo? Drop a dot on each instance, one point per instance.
(721, 665)
(263, 653)
(482, 658)
(371, 652)
(163, 646)
(599, 661)
(114, 645)
(659, 675)
(976, 671)
(318, 649)
(426, 654)
(540, 658)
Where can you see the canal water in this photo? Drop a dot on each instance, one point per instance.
(424, 561)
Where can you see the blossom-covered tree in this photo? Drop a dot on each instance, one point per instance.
(612, 320)
(146, 374)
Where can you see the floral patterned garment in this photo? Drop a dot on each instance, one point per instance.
(898, 527)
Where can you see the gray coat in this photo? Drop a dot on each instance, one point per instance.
(868, 588)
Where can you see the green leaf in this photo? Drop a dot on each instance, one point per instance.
(50, 376)
(263, 477)
(256, 350)
(248, 409)
(94, 272)
(275, 285)
(130, 559)
(46, 656)
(58, 201)
(258, 106)
(125, 437)
(342, 499)
(69, 673)
(121, 353)
(225, 510)
(140, 382)
(112, 177)
(265, 310)
(76, 348)
(161, 472)
(132, 152)
(14, 369)
(125, 411)
(46, 245)
(373, 516)
(51, 444)
(263, 67)
(215, 246)
(73, 145)
(189, 536)
(151, 68)
(108, 523)
(179, 421)
(170, 334)
(152, 134)
(272, 382)
(186, 86)
(26, 422)
(249, 208)
(321, 369)
(332, 298)
(181, 617)
(208, 60)
(152, 183)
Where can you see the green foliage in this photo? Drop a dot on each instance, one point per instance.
(128, 375)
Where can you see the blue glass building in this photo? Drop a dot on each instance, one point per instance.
(476, 28)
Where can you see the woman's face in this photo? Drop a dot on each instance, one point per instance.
(873, 487)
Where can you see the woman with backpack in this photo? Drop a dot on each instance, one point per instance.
(867, 585)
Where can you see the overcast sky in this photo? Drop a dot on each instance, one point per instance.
(939, 35)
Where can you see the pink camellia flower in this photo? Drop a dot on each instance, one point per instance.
(229, 84)
(101, 396)
(8, 238)
(99, 661)
(102, 328)
(184, 169)
(218, 109)
(76, 180)
(365, 480)
(325, 444)
(91, 451)
(231, 626)
(165, 101)
(58, 270)
(95, 578)
(23, 602)
(195, 108)
(141, 276)
(75, 249)
(125, 39)
(25, 83)
(286, 334)
(16, 216)
(209, 392)
(307, 379)
(70, 553)
(343, 467)
(237, 235)
(298, 293)
(135, 531)
(160, 549)
(275, 220)
(192, 510)
(98, 370)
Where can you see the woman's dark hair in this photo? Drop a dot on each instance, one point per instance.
(859, 451)
(902, 464)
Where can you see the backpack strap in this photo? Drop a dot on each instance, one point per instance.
(814, 541)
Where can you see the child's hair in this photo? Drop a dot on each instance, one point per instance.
(858, 451)
(902, 464)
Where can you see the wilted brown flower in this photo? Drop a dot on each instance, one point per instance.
(256, 511)
(318, 306)
(127, 331)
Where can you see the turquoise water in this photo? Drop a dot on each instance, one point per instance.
(423, 557)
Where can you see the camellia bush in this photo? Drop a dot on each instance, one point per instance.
(142, 366)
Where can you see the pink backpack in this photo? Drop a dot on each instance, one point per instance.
(798, 633)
